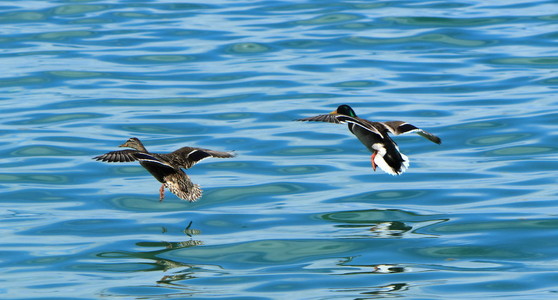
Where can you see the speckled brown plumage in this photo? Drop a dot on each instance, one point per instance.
(166, 167)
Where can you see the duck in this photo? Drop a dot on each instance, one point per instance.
(166, 167)
(375, 137)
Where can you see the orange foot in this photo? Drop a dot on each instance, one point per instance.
(372, 161)
(162, 193)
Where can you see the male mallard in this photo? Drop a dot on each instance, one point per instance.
(166, 168)
(374, 135)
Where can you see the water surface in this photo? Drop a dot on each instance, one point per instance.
(299, 212)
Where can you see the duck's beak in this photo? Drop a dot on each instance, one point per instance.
(125, 145)
(334, 112)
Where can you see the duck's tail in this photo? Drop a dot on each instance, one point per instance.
(181, 185)
(392, 165)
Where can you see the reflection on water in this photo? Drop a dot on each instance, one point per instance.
(390, 229)
(376, 223)
(298, 213)
(390, 290)
(155, 262)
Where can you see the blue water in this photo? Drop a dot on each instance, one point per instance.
(299, 213)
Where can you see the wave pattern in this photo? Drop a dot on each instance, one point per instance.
(300, 206)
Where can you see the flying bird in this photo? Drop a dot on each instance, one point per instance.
(375, 136)
(167, 167)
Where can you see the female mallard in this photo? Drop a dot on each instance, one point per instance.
(166, 168)
(374, 135)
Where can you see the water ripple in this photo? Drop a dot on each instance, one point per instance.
(299, 208)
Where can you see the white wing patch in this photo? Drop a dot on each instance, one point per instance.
(148, 158)
(190, 153)
(348, 119)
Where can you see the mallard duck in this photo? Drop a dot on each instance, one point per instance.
(166, 168)
(374, 135)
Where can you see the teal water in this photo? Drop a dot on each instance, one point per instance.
(298, 213)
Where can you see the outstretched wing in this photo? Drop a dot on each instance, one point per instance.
(400, 127)
(372, 127)
(342, 119)
(186, 157)
(118, 156)
(329, 118)
(152, 159)
(147, 159)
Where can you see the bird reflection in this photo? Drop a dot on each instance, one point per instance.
(386, 289)
(189, 231)
(387, 229)
(376, 268)
(386, 269)
(390, 229)
(168, 279)
(379, 269)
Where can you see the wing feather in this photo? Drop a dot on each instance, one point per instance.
(342, 119)
(118, 156)
(186, 157)
(329, 118)
(152, 159)
(371, 127)
(400, 127)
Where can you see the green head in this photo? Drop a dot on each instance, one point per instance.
(344, 109)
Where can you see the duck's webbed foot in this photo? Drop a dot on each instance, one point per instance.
(372, 161)
(162, 193)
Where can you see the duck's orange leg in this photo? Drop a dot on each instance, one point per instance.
(162, 192)
(372, 161)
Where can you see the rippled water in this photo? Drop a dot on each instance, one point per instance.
(299, 212)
